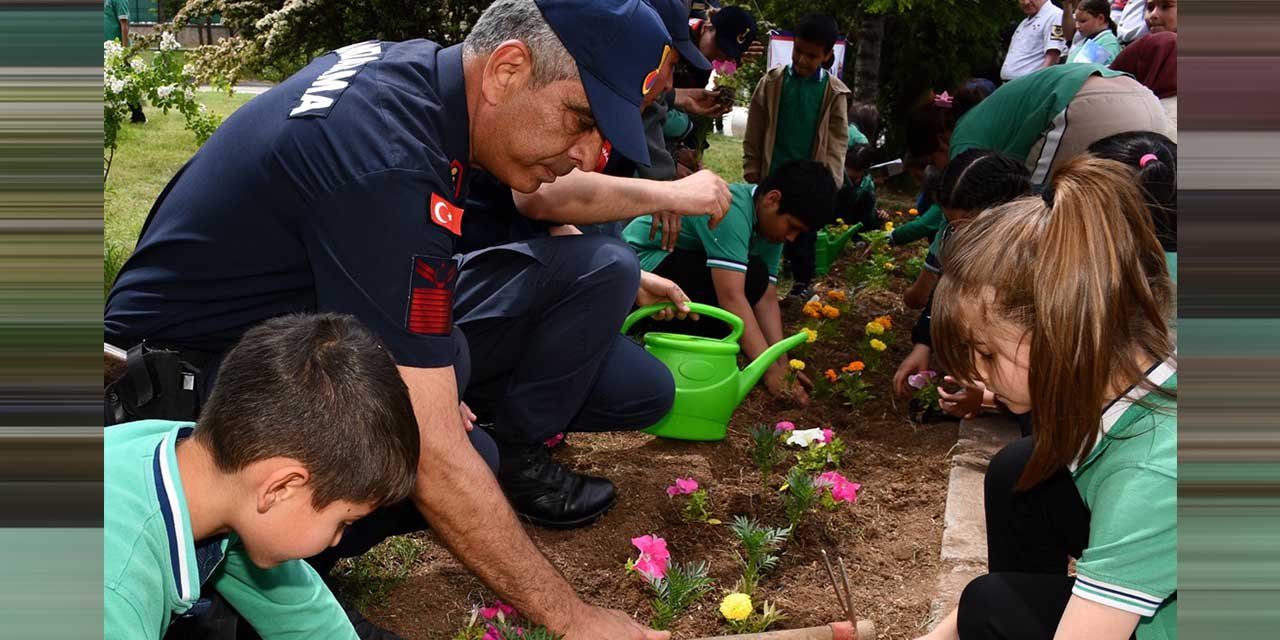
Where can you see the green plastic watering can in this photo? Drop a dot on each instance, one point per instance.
(709, 385)
(828, 247)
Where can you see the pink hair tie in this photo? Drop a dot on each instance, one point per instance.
(1146, 159)
(944, 100)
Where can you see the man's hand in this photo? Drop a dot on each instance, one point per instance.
(703, 193)
(965, 404)
(655, 289)
(775, 380)
(669, 222)
(701, 102)
(915, 362)
(597, 623)
(468, 418)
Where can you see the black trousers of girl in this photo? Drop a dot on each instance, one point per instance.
(1030, 536)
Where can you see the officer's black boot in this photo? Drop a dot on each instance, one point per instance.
(547, 493)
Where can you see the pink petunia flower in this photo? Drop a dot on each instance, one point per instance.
(785, 425)
(827, 436)
(551, 442)
(841, 489)
(724, 67)
(654, 557)
(682, 486)
(489, 613)
(919, 380)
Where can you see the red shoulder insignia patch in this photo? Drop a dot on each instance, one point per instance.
(431, 286)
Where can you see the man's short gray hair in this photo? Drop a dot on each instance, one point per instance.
(522, 20)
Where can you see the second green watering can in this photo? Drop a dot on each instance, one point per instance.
(709, 385)
(828, 247)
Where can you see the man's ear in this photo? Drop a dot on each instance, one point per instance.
(283, 482)
(506, 72)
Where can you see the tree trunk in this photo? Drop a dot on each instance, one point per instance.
(866, 68)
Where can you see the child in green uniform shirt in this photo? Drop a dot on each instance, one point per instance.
(309, 428)
(735, 265)
(1060, 304)
(1098, 44)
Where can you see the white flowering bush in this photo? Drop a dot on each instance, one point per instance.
(163, 82)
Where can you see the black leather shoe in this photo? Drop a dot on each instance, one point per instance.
(548, 494)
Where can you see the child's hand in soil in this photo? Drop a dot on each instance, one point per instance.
(915, 362)
(781, 386)
(965, 403)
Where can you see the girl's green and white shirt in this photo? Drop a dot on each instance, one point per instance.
(1129, 481)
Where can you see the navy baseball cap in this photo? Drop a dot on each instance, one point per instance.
(619, 46)
(735, 31)
(676, 17)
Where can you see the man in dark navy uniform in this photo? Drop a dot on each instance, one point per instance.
(342, 190)
(542, 313)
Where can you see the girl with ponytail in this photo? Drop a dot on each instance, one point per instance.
(1058, 303)
(1098, 43)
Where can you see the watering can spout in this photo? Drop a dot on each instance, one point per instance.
(754, 371)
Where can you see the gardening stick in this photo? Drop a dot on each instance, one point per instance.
(843, 630)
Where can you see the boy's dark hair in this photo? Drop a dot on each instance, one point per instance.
(322, 390)
(979, 179)
(819, 28)
(808, 191)
(866, 117)
(969, 94)
(1158, 179)
(925, 124)
(858, 157)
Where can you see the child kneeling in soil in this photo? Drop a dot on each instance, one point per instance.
(735, 265)
(1073, 287)
(309, 428)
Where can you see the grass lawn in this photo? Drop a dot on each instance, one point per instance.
(724, 157)
(147, 157)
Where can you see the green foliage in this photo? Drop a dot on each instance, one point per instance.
(799, 497)
(758, 544)
(766, 617)
(683, 585)
(274, 38)
(819, 456)
(855, 389)
(766, 450)
(913, 265)
(130, 78)
(697, 509)
(478, 629)
(367, 580)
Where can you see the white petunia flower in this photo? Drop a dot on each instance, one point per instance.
(805, 437)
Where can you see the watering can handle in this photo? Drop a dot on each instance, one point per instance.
(734, 322)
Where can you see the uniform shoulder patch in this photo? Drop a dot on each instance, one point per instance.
(1055, 32)
(431, 285)
(319, 98)
(446, 214)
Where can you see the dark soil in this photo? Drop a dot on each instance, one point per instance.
(890, 538)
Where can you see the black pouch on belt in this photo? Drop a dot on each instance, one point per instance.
(157, 384)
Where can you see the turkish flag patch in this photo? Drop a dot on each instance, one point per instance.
(431, 296)
(446, 214)
(606, 150)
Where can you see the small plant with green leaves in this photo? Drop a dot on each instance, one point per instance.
(682, 585)
(820, 456)
(697, 508)
(766, 448)
(799, 496)
(850, 384)
(501, 622)
(758, 547)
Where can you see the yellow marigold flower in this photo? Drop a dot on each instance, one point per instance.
(877, 345)
(840, 221)
(831, 375)
(885, 321)
(888, 226)
(798, 365)
(888, 266)
(736, 606)
(830, 311)
(913, 211)
(813, 335)
(836, 295)
(875, 328)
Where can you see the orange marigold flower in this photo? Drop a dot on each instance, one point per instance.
(831, 374)
(813, 312)
(857, 365)
(885, 321)
(830, 311)
(913, 211)
(837, 295)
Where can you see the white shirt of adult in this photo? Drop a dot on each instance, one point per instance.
(1035, 36)
(1133, 22)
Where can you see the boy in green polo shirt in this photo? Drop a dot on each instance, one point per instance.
(735, 265)
(799, 112)
(309, 428)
